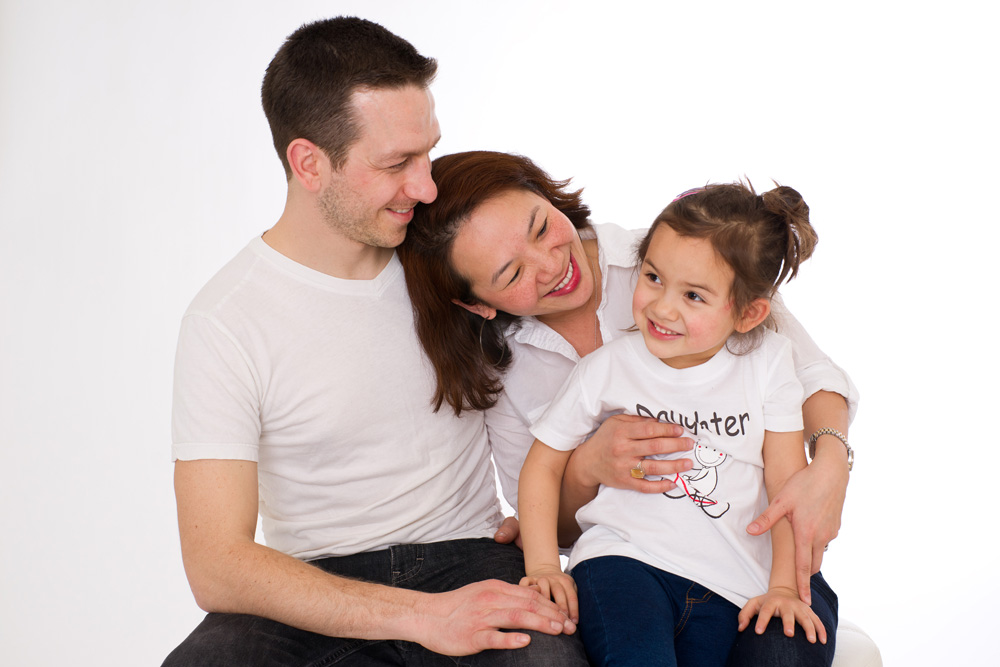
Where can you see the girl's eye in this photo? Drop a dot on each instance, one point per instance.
(653, 278)
(694, 296)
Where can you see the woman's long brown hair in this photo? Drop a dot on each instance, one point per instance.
(469, 353)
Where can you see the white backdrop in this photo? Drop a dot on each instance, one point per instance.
(135, 160)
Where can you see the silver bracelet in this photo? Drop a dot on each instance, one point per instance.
(837, 434)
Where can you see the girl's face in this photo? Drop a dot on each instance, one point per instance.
(522, 256)
(681, 303)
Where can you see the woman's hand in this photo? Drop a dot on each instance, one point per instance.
(622, 442)
(558, 586)
(813, 500)
(509, 531)
(782, 603)
(608, 457)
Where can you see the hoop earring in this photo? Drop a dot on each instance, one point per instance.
(503, 351)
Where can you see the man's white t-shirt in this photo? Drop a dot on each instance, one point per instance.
(697, 531)
(324, 384)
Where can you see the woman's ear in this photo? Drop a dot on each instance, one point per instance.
(480, 309)
(756, 312)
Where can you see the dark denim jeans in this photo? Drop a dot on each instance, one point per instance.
(236, 640)
(635, 614)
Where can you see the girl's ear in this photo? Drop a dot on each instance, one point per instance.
(756, 312)
(480, 309)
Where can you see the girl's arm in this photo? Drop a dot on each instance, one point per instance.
(783, 457)
(538, 508)
(813, 498)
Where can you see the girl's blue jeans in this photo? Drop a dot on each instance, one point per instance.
(634, 614)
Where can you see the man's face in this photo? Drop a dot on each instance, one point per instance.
(370, 199)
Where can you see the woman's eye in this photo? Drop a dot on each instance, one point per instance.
(514, 277)
(545, 226)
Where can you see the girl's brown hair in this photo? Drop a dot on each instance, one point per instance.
(468, 352)
(764, 238)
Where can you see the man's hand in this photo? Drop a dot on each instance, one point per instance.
(470, 619)
(558, 586)
(813, 500)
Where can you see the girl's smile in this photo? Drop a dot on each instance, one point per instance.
(681, 303)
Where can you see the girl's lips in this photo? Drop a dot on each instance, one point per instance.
(661, 332)
(570, 280)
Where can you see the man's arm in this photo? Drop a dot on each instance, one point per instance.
(229, 572)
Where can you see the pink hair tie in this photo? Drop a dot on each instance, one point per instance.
(687, 193)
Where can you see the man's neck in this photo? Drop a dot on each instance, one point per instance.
(314, 244)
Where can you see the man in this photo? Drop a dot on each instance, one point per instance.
(301, 392)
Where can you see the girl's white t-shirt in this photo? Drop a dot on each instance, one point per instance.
(699, 530)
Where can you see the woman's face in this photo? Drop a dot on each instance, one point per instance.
(523, 256)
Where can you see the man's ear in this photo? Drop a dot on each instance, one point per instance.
(308, 164)
(480, 309)
(756, 312)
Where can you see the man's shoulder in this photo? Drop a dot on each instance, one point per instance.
(231, 277)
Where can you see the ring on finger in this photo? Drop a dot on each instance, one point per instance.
(637, 471)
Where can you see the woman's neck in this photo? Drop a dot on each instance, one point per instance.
(580, 327)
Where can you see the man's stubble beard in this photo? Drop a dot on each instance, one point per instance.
(343, 214)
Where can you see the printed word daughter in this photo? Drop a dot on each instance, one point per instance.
(671, 579)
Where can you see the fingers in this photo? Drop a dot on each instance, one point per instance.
(749, 610)
(788, 611)
(508, 531)
(494, 639)
(534, 611)
(817, 558)
(767, 518)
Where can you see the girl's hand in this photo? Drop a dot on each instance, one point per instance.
(620, 443)
(782, 603)
(558, 586)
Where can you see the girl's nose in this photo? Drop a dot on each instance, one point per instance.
(666, 308)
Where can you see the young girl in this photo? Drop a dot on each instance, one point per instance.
(662, 578)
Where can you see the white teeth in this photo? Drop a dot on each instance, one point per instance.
(564, 281)
(400, 210)
(666, 332)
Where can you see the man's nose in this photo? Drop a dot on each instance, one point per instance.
(419, 185)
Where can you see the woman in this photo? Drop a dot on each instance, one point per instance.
(511, 286)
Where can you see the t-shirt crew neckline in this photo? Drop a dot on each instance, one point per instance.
(372, 287)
